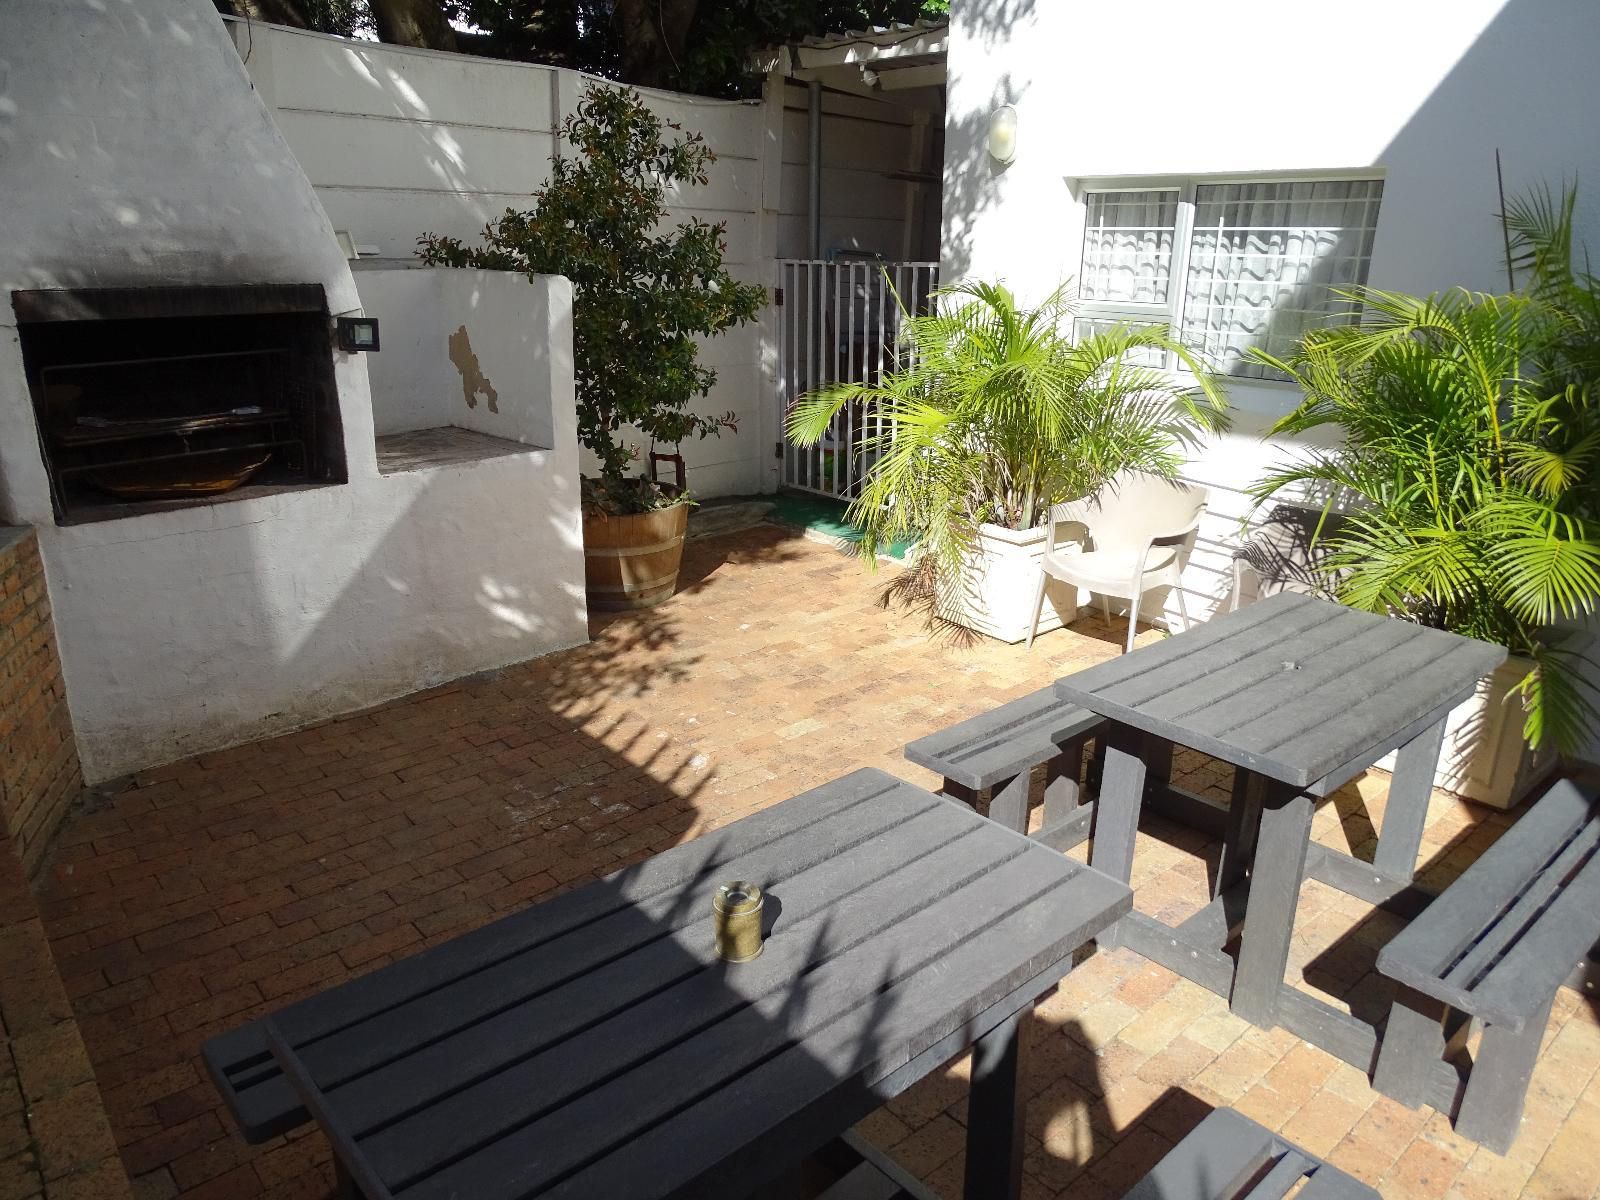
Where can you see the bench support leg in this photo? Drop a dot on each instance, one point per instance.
(1280, 868)
(1239, 837)
(995, 1112)
(1117, 815)
(1407, 810)
(1062, 793)
(961, 792)
(1491, 1107)
(1008, 802)
(1412, 1043)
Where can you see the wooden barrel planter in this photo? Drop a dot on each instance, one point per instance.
(632, 561)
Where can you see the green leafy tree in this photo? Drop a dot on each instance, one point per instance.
(995, 414)
(642, 293)
(1470, 460)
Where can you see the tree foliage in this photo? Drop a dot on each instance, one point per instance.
(1470, 459)
(642, 293)
(686, 45)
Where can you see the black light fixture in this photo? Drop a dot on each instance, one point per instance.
(357, 334)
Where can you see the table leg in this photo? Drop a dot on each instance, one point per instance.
(1244, 823)
(995, 1113)
(1157, 755)
(1280, 866)
(1117, 811)
(1407, 810)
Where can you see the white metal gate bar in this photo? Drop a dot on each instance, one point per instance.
(839, 323)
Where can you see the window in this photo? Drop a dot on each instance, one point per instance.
(1228, 266)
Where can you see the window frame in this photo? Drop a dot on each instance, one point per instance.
(1187, 186)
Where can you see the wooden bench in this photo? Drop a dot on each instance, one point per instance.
(996, 752)
(251, 1084)
(1229, 1157)
(1495, 947)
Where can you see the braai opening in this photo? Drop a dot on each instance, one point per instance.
(163, 397)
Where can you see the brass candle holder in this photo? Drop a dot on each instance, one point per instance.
(736, 920)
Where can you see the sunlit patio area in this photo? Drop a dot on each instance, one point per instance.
(229, 885)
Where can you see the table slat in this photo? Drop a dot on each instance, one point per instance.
(528, 1070)
(811, 1043)
(364, 1045)
(474, 951)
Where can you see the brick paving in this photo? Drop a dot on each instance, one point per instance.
(224, 886)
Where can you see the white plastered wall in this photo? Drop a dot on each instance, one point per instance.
(1421, 94)
(399, 142)
(133, 151)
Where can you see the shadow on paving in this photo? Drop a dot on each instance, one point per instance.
(229, 885)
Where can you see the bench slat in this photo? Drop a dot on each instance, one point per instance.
(996, 745)
(255, 1090)
(1226, 1151)
(1421, 953)
(1533, 969)
(1473, 966)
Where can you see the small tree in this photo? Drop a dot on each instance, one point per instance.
(641, 294)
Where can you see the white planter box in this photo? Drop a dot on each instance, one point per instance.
(997, 588)
(1484, 757)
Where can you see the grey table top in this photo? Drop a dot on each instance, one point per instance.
(1293, 687)
(594, 1045)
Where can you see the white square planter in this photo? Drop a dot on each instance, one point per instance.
(996, 590)
(1484, 757)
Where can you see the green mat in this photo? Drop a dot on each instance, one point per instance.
(820, 514)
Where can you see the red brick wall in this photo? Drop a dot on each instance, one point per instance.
(39, 774)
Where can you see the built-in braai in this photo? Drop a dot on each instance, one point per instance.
(156, 397)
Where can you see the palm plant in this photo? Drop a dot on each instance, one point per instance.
(1471, 447)
(994, 414)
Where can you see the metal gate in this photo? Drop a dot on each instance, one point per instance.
(839, 322)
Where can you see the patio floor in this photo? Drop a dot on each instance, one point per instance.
(227, 885)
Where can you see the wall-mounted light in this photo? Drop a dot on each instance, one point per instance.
(1003, 134)
(357, 334)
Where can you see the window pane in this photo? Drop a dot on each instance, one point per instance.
(1264, 260)
(1144, 356)
(1127, 246)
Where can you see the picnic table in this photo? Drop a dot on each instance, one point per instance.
(1300, 695)
(594, 1045)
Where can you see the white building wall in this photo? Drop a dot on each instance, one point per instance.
(1421, 94)
(399, 143)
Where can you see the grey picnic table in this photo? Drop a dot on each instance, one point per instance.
(1301, 695)
(594, 1045)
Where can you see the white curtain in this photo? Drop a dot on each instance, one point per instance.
(1127, 246)
(1263, 262)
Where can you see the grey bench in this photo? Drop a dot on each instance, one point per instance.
(251, 1084)
(996, 752)
(1230, 1157)
(1495, 947)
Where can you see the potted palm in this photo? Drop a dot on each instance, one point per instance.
(642, 294)
(1470, 466)
(993, 415)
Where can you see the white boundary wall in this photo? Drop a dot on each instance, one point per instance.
(400, 142)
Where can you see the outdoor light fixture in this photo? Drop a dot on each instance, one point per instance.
(357, 333)
(1003, 134)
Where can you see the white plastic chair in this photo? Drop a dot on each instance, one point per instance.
(1138, 529)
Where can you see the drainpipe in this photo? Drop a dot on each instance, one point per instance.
(814, 104)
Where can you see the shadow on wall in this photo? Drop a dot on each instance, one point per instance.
(971, 177)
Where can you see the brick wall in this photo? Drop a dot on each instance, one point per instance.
(39, 775)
